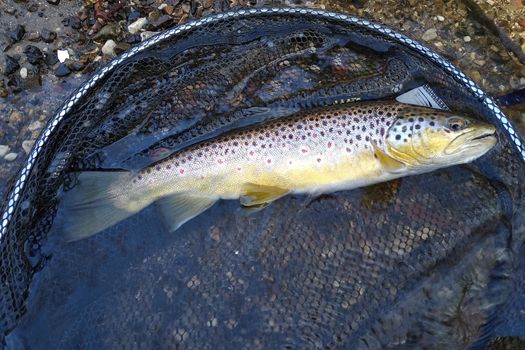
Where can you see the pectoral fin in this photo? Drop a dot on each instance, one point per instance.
(180, 208)
(390, 164)
(256, 195)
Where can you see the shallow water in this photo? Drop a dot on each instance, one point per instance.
(429, 261)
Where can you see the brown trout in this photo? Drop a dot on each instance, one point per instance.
(316, 151)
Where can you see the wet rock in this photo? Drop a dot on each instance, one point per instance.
(15, 83)
(53, 2)
(109, 31)
(3, 91)
(36, 125)
(4, 149)
(440, 18)
(11, 65)
(33, 54)
(17, 34)
(11, 156)
(32, 7)
(33, 36)
(27, 145)
(136, 26)
(75, 22)
(62, 70)
(10, 10)
(48, 36)
(158, 21)
(51, 59)
(467, 38)
(109, 48)
(169, 9)
(430, 34)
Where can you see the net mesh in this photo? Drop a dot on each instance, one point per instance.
(430, 261)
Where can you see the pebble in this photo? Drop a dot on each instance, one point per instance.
(23, 73)
(51, 59)
(33, 54)
(74, 65)
(27, 145)
(109, 31)
(10, 156)
(17, 34)
(62, 55)
(15, 117)
(3, 150)
(133, 15)
(11, 65)
(121, 47)
(146, 35)
(109, 48)
(48, 36)
(430, 34)
(159, 22)
(467, 39)
(53, 2)
(62, 70)
(36, 125)
(440, 18)
(136, 26)
(33, 36)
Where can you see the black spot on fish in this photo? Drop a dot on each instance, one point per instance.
(418, 126)
(432, 123)
(398, 137)
(420, 119)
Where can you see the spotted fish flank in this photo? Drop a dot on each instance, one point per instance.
(316, 151)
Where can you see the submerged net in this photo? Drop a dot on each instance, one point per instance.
(429, 261)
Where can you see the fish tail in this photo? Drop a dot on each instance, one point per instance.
(92, 205)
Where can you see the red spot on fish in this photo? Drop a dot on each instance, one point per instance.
(269, 161)
(318, 160)
(181, 171)
(251, 153)
(314, 135)
(220, 161)
(329, 145)
(348, 150)
(303, 150)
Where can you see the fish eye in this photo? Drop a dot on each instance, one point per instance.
(456, 124)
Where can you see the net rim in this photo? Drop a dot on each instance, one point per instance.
(14, 197)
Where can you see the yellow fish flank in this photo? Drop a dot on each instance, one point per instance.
(316, 151)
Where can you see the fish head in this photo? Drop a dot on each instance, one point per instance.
(433, 139)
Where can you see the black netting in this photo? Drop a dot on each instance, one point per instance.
(429, 261)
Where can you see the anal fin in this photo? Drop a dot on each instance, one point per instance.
(180, 208)
(257, 195)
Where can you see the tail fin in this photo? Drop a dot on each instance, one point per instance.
(90, 206)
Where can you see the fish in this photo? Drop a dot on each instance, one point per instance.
(314, 152)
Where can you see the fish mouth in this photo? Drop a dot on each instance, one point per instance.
(484, 136)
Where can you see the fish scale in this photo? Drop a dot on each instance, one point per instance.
(314, 151)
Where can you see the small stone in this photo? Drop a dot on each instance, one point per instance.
(490, 2)
(27, 145)
(53, 2)
(15, 117)
(109, 31)
(33, 36)
(11, 65)
(430, 34)
(133, 39)
(51, 59)
(4, 149)
(10, 156)
(467, 39)
(75, 22)
(36, 125)
(109, 48)
(74, 65)
(23, 73)
(62, 55)
(136, 26)
(521, 22)
(146, 35)
(475, 75)
(10, 10)
(33, 54)
(133, 15)
(169, 9)
(62, 70)
(160, 22)
(17, 34)
(48, 36)
(440, 18)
